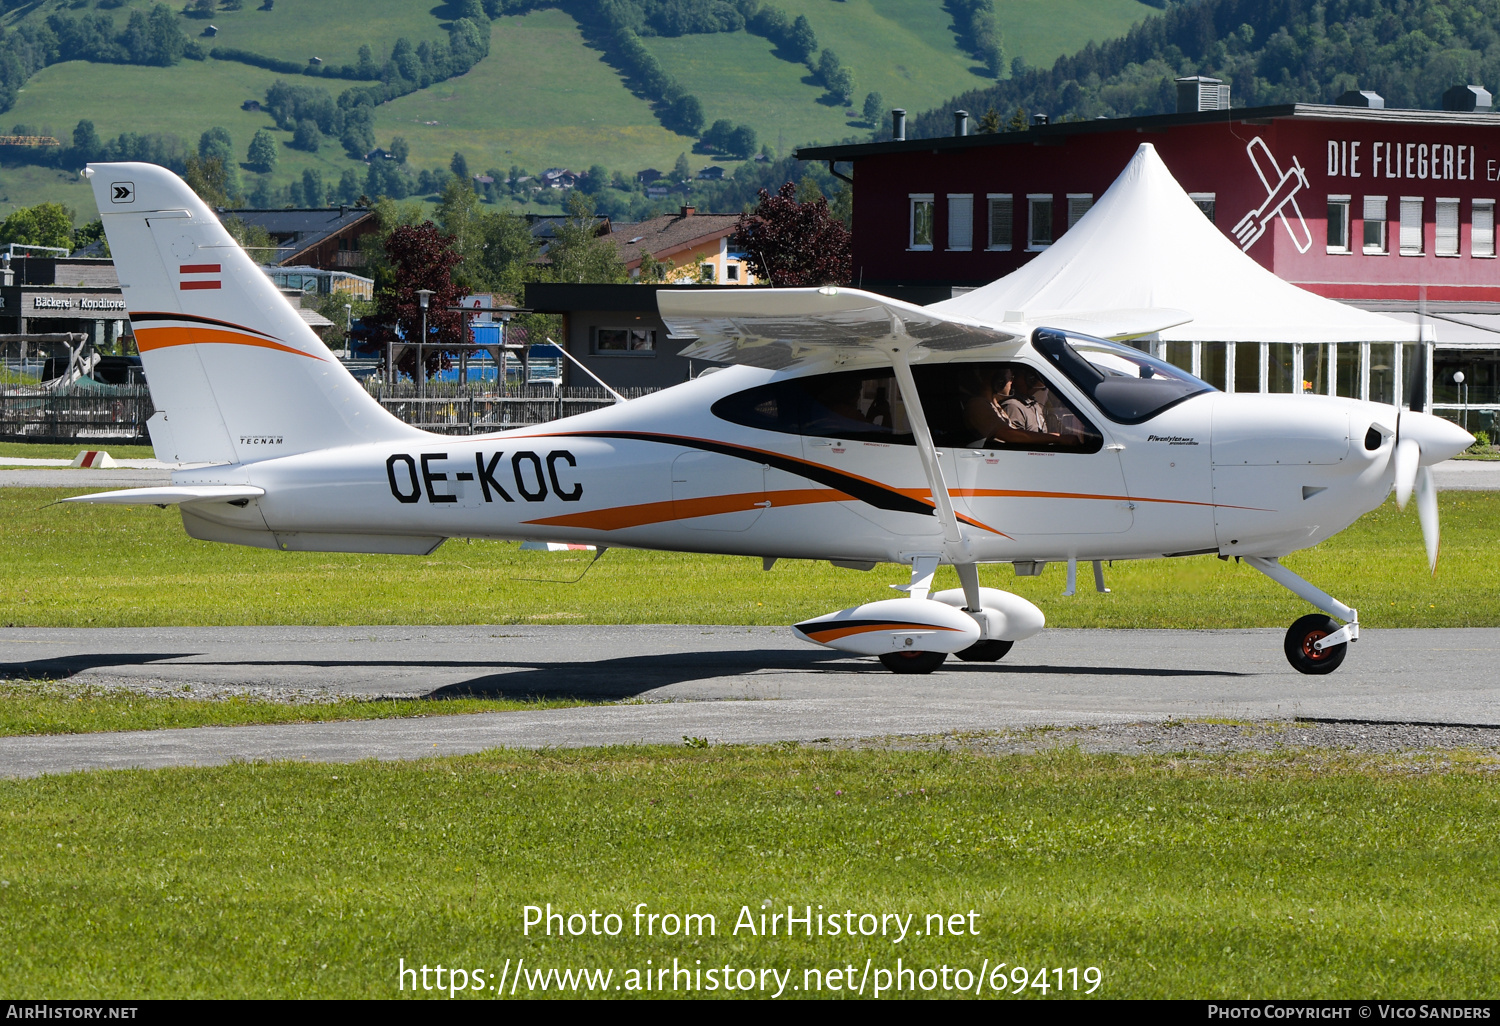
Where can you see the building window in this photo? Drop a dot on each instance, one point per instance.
(1338, 224)
(1374, 222)
(961, 221)
(1204, 201)
(706, 274)
(624, 340)
(1002, 219)
(1446, 241)
(1482, 232)
(921, 221)
(1039, 231)
(1411, 225)
(732, 272)
(1078, 205)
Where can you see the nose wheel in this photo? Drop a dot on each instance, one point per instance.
(913, 662)
(1301, 648)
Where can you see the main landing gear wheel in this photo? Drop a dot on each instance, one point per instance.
(1299, 645)
(913, 662)
(985, 651)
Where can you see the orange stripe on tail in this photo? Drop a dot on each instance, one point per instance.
(162, 338)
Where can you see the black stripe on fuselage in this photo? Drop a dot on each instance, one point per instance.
(876, 495)
(145, 318)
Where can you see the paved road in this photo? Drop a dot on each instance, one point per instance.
(787, 690)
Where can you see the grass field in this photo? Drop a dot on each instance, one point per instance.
(30, 450)
(542, 98)
(106, 566)
(63, 709)
(1271, 876)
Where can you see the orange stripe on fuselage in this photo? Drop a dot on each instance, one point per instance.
(618, 518)
(833, 633)
(147, 339)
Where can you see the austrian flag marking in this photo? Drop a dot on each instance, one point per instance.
(190, 284)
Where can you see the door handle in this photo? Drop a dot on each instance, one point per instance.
(1115, 447)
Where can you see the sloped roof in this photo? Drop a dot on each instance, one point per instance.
(1146, 244)
(298, 230)
(665, 236)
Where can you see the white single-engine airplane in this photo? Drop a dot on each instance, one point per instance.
(847, 427)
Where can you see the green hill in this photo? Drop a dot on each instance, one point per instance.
(550, 92)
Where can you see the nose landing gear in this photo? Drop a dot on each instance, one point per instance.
(1303, 651)
(1314, 644)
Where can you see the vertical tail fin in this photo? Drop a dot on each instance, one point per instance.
(235, 373)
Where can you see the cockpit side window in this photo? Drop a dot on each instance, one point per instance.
(1128, 386)
(992, 405)
(997, 405)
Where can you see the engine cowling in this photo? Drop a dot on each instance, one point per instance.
(894, 625)
(1008, 617)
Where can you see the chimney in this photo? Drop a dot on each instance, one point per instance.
(1361, 98)
(960, 122)
(689, 211)
(1471, 98)
(1199, 92)
(898, 125)
(1038, 120)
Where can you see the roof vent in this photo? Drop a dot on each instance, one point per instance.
(898, 125)
(1361, 98)
(960, 122)
(1040, 119)
(1199, 92)
(1472, 98)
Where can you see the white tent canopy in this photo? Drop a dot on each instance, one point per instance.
(1145, 243)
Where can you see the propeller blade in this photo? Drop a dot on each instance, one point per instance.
(1417, 386)
(1427, 512)
(1405, 459)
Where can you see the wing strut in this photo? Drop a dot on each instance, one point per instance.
(954, 541)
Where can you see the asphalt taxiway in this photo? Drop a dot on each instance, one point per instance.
(727, 684)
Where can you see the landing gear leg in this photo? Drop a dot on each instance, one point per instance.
(1314, 644)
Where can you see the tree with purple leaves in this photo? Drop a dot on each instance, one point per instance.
(794, 244)
(423, 258)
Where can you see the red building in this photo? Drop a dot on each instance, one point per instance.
(1356, 203)
(1386, 209)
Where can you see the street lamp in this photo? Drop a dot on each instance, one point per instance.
(423, 297)
(1458, 379)
(348, 326)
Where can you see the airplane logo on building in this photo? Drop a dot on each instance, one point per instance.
(1281, 200)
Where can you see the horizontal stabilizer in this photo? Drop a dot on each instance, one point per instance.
(171, 495)
(777, 328)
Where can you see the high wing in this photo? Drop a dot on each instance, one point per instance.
(1115, 325)
(781, 328)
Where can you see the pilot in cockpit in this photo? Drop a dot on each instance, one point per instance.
(1013, 406)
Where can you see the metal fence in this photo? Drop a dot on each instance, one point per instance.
(103, 413)
(453, 409)
(119, 413)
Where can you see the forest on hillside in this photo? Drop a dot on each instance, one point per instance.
(1271, 51)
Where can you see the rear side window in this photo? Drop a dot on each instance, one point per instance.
(1126, 384)
(855, 405)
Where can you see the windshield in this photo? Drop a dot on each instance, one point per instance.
(1127, 385)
